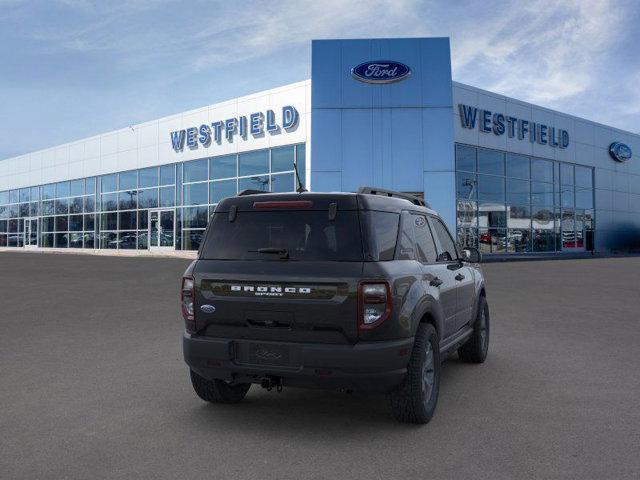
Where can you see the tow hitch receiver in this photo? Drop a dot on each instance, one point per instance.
(270, 382)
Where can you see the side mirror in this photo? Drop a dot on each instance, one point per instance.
(471, 255)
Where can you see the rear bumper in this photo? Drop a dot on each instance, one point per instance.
(365, 366)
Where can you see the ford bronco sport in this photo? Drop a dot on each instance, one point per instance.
(352, 291)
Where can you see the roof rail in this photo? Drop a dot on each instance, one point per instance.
(249, 191)
(392, 193)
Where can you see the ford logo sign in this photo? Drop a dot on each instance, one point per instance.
(207, 308)
(620, 151)
(380, 71)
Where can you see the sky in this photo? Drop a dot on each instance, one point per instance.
(70, 69)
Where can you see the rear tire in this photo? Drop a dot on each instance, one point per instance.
(476, 348)
(415, 399)
(218, 391)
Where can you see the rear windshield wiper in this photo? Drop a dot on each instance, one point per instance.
(283, 252)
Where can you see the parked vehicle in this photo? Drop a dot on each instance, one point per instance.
(358, 291)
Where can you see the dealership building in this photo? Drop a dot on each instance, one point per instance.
(507, 176)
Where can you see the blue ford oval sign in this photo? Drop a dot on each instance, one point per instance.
(380, 71)
(620, 151)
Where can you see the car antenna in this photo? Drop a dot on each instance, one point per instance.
(300, 188)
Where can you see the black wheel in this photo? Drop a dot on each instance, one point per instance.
(415, 399)
(218, 391)
(476, 348)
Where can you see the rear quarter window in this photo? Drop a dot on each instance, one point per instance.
(381, 233)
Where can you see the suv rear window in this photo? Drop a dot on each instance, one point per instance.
(303, 234)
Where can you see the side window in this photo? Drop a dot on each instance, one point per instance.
(447, 250)
(424, 241)
(406, 244)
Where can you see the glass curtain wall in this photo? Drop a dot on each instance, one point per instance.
(509, 203)
(112, 211)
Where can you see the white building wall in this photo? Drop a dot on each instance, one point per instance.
(149, 144)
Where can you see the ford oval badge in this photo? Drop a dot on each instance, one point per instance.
(620, 152)
(380, 71)
(207, 308)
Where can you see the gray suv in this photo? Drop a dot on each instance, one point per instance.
(361, 291)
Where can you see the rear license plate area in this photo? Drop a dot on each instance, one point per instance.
(265, 354)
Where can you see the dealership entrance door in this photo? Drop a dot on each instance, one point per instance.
(162, 229)
(30, 232)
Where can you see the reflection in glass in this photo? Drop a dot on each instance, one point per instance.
(492, 215)
(62, 223)
(148, 177)
(491, 188)
(541, 193)
(62, 240)
(127, 240)
(223, 167)
(128, 180)
(195, 170)
(465, 158)
(108, 240)
(196, 194)
(519, 240)
(519, 217)
(192, 239)
(492, 240)
(252, 163)
(466, 186)
(89, 240)
(254, 183)
(490, 161)
(517, 166)
(167, 175)
(223, 189)
(282, 159)
(282, 183)
(568, 228)
(75, 240)
(517, 191)
(127, 200)
(148, 198)
(541, 170)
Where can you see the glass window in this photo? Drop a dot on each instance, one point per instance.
(48, 192)
(301, 162)
(128, 180)
(517, 191)
(148, 177)
(282, 183)
(109, 183)
(89, 222)
(35, 194)
(492, 215)
(466, 186)
(282, 159)
(127, 200)
(568, 229)
(566, 194)
(542, 218)
(46, 240)
(254, 183)
(75, 223)
(89, 204)
(48, 224)
(584, 177)
(382, 233)
(224, 167)
(196, 217)
(108, 240)
(465, 158)
(252, 163)
(148, 198)
(143, 239)
(566, 174)
(406, 245)
(167, 195)
(168, 175)
(192, 239)
(518, 241)
(517, 166)
(76, 187)
(424, 240)
(62, 223)
(62, 206)
(75, 240)
(491, 188)
(62, 189)
(490, 161)
(195, 170)
(128, 220)
(24, 195)
(541, 170)
(304, 234)
(75, 205)
(4, 198)
(544, 240)
(196, 194)
(584, 197)
(519, 217)
(446, 249)
(109, 221)
(127, 240)
(109, 201)
(89, 241)
(90, 185)
(541, 193)
(62, 240)
(491, 240)
(14, 196)
(223, 189)
(24, 209)
(143, 220)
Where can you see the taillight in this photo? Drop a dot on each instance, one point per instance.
(186, 298)
(374, 304)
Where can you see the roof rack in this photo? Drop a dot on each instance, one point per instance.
(249, 191)
(392, 193)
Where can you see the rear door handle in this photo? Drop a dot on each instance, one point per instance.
(459, 277)
(436, 282)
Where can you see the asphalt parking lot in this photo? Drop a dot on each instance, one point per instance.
(92, 385)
